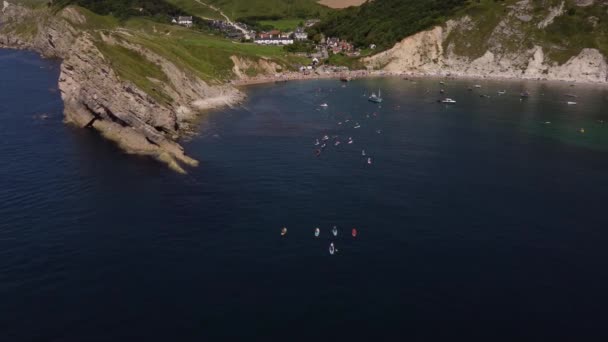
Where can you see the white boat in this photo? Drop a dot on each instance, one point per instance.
(317, 143)
(324, 105)
(350, 141)
(332, 249)
(363, 153)
(502, 92)
(317, 232)
(571, 102)
(477, 86)
(357, 126)
(369, 161)
(448, 100)
(376, 98)
(337, 143)
(334, 231)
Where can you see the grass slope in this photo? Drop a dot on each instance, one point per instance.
(198, 53)
(576, 29)
(384, 22)
(236, 9)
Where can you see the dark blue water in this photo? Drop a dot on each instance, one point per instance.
(476, 221)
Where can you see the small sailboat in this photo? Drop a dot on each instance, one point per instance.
(334, 231)
(337, 143)
(317, 232)
(317, 143)
(350, 141)
(369, 161)
(325, 138)
(363, 153)
(332, 248)
(376, 98)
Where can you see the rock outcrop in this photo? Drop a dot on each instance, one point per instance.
(509, 50)
(96, 97)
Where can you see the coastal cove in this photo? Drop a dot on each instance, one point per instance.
(484, 219)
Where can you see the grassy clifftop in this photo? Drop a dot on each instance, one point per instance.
(202, 54)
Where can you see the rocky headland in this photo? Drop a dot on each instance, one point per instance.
(96, 97)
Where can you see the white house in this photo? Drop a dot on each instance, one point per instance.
(300, 34)
(273, 41)
(184, 21)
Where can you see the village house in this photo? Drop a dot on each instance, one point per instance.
(274, 37)
(183, 21)
(300, 34)
(265, 40)
(336, 45)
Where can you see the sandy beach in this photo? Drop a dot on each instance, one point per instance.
(298, 76)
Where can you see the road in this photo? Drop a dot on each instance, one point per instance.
(230, 22)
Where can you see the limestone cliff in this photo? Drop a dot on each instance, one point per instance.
(512, 39)
(95, 96)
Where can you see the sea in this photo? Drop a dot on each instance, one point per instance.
(483, 220)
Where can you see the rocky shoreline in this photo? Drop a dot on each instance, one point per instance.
(96, 97)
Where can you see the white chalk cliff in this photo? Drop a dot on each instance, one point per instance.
(506, 52)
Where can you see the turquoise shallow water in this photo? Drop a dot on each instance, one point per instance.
(476, 221)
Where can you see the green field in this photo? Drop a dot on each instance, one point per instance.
(284, 25)
(236, 9)
(197, 9)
